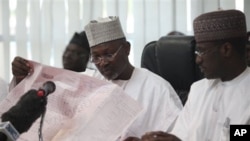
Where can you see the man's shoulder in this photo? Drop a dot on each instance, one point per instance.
(204, 82)
(147, 72)
(151, 77)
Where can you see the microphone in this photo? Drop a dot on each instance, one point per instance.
(22, 115)
(25, 112)
(47, 88)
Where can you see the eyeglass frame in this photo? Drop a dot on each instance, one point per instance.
(202, 53)
(107, 57)
(199, 53)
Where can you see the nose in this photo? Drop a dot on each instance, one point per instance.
(198, 60)
(103, 62)
(66, 54)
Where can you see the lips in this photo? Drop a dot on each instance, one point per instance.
(106, 71)
(66, 63)
(202, 69)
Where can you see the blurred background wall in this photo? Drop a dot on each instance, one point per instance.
(40, 29)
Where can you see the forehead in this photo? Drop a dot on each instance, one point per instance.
(74, 47)
(205, 45)
(105, 46)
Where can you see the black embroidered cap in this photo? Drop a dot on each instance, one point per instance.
(219, 25)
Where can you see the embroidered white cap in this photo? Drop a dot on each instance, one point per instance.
(104, 30)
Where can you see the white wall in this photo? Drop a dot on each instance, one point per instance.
(247, 12)
(53, 22)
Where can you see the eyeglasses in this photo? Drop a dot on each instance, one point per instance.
(204, 51)
(106, 57)
(199, 53)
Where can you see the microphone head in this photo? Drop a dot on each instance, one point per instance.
(48, 87)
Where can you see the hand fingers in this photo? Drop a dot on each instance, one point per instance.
(155, 133)
(21, 67)
(159, 136)
(132, 139)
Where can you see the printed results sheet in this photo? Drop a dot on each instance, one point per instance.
(82, 108)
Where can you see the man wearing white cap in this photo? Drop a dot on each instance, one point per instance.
(110, 51)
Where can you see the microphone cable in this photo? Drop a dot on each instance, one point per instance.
(40, 134)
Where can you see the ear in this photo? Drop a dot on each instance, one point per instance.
(127, 48)
(227, 49)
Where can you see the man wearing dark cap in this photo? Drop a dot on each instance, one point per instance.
(75, 58)
(76, 54)
(222, 98)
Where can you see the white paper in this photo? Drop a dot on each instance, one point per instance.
(82, 108)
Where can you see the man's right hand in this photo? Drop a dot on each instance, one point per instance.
(21, 68)
(159, 136)
(132, 139)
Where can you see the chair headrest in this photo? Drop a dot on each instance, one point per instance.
(148, 58)
(176, 61)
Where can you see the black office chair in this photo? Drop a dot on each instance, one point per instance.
(174, 60)
(148, 59)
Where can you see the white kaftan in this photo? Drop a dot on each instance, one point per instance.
(160, 102)
(211, 108)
